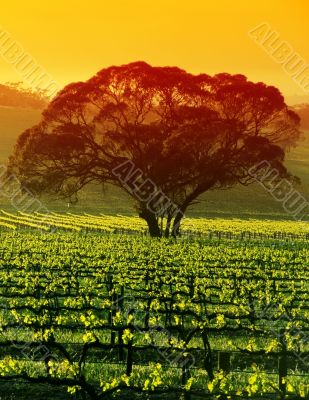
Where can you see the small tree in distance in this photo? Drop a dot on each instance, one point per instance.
(156, 130)
(16, 95)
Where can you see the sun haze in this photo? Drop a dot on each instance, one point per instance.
(72, 40)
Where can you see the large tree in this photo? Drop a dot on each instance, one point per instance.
(164, 135)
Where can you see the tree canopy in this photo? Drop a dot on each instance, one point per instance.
(164, 135)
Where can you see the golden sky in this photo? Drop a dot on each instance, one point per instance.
(72, 40)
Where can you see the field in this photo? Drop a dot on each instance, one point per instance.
(92, 308)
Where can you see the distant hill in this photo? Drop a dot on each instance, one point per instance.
(20, 108)
(303, 111)
(15, 95)
(13, 121)
(246, 202)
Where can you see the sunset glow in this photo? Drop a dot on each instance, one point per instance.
(73, 40)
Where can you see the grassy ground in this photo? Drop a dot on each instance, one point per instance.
(24, 391)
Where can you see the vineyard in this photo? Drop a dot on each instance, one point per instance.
(102, 316)
(213, 228)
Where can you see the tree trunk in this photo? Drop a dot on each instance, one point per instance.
(152, 222)
(168, 226)
(176, 225)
